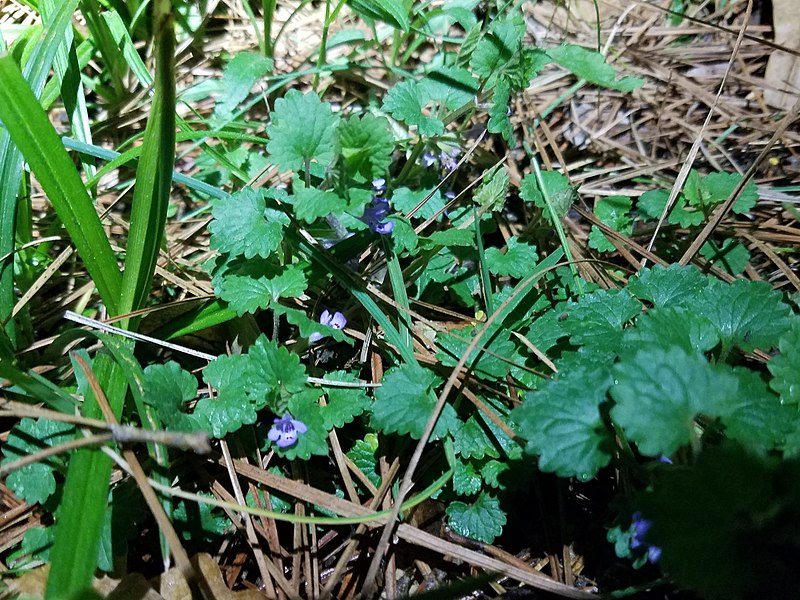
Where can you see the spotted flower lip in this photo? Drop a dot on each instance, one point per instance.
(330, 319)
(285, 431)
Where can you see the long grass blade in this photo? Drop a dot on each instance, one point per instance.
(35, 72)
(154, 175)
(33, 134)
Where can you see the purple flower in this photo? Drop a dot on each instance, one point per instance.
(449, 159)
(383, 228)
(379, 185)
(285, 430)
(377, 210)
(375, 214)
(336, 320)
(640, 528)
(428, 158)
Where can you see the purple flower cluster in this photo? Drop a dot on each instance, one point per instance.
(640, 528)
(378, 209)
(285, 430)
(336, 320)
(448, 158)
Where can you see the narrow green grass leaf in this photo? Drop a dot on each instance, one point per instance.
(31, 130)
(154, 175)
(68, 74)
(83, 506)
(110, 48)
(35, 72)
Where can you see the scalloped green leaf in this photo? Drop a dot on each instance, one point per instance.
(785, 367)
(301, 131)
(366, 145)
(35, 482)
(405, 102)
(243, 225)
(515, 262)
(597, 319)
(670, 387)
(471, 441)
(482, 520)
(563, 425)
(747, 314)
(344, 404)
(405, 401)
(664, 286)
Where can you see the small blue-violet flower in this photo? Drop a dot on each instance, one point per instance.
(375, 215)
(449, 159)
(428, 159)
(379, 185)
(336, 320)
(640, 528)
(285, 430)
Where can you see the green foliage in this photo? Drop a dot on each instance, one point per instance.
(198, 522)
(495, 50)
(747, 314)
(266, 377)
(517, 260)
(470, 440)
(556, 189)
(240, 75)
(366, 145)
(305, 406)
(499, 121)
(491, 194)
(668, 286)
(452, 87)
(597, 319)
(363, 456)
(732, 256)
(301, 131)
(785, 367)
(311, 204)
(344, 404)
(740, 509)
(482, 520)
(246, 293)
(168, 388)
(591, 66)
(35, 482)
(670, 387)
(563, 424)
(405, 402)
(612, 211)
(405, 200)
(244, 225)
(493, 358)
(395, 13)
(700, 194)
(405, 102)
(661, 371)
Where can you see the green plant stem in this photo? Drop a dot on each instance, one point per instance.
(330, 17)
(486, 282)
(399, 291)
(554, 218)
(268, 8)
